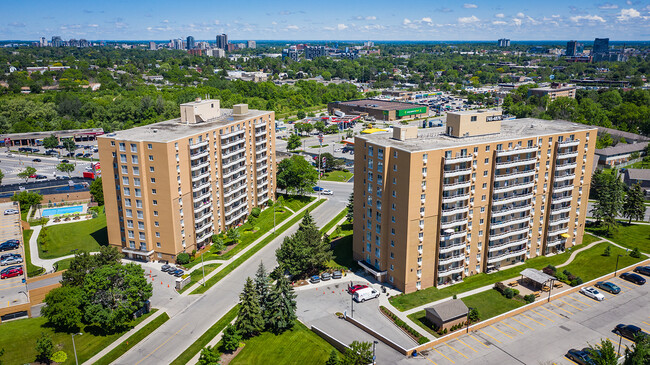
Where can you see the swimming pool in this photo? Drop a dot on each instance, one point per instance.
(63, 210)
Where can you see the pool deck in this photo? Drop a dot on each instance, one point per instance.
(39, 212)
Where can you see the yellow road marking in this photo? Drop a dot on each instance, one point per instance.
(11, 287)
(626, 287)
(571, 360)
(521, 323)
(461, 341)
(492, 326)
(580, 301)
(448, 345)
(570, 305)
(624, 338)
(646, 323)
(532, 319)
(490, 336)
(161, 345)
(541, 315)
(430, 360)
(436, 350)
(550, 311)
(560, 309)
(481, 342)
(505, 324)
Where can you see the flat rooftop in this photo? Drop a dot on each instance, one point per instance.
(558, 88)
(516, 129)
(379, 104)
(173, 129)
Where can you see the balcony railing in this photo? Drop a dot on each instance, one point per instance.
(450, 271)
(564, 166)
(511, 210)
(200, 165)
(512, 199)
(200, 176)
(455, 198)
(512, 232)
(198, 155)
(561, 209)
(459, 159)
(457, 172)
(451, 236)
(449, 260)
(452, 247)
(555, 222)
(449, 211)
(569, 143)
(564, 177)
(515, 174)
(567, 155)
(506, 256)
(510, 187)
(562, 199)
(513, 163)
(558, 231)
(457, 185)
(504, 245)
(568, 187)
(199, 144)
(505, 223)
(516, 151)
(454, 223)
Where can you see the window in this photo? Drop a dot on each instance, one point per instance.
(155, 202)
(131, 234)
(138, 193)
(156, 224)
(485, 173)
(129, 223)
(482, 209)
(153, 191)
(392, 219)
(141, 235)
(487, 161)
(134, 148)
(487, 148)
(473, 118)
(122, 158)
(127, 191)
(155, 213)
(480, 233)
(499, 147)
(125, 180)
(158, 234)
(150, 157)
(392, 256)
(136, 181)
(139, 214)
(127, 202)
(134, 159)
(394, 167)
(481, 221)
(370, 151)
(136, 170)
(153, 180)
(151, 169)
(484, 185)
(140, 225)
(158, 245)
(122, 146)
(483, 198)
(129, 213)
(138, 203)
(149, 146)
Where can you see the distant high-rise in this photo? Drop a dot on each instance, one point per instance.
(601, 45)
(177, 43)
(222, 41)
(57, 41)
(252, 44)
(504, 42)
(190, 43)
(43, 42)
(312, 52)
(574, 48)
(152, 46)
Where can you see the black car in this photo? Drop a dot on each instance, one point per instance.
(579, 357)
(630, 331)
(645, 270)
(633, 278)
(79, 154)
(37, 160)
(87, 155)
(165, 268)
(41, 177)
(65, 161)
(8, 246)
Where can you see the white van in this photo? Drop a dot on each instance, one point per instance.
(365, 294)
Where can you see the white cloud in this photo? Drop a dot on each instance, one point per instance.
(371, 17)
(500, 15)
(520, 15)
(608, 6)
(292, 27)
(341, 26)
(406, 21)
(216, 22)
(166, 21)
(427, 20)
(517, 21)
(499, 22)
(591, 18)
(627, 14)
(628, 2)
(470, 6)
(468, 19)
(93, 25)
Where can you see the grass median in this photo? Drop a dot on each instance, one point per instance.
(133, 340)
(197, 275)
(241, 259)
(337, 175)
(334, 221)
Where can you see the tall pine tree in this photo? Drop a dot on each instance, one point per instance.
(305, 252)
(282, 306)
(263, 289)
(633, 206)
(249, 320)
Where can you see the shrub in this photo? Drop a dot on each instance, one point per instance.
(608, 251)
(635, 253)
(255, 212)
(509, 293)
(183, 258)
(454, 297)
(561, 277)
(59, 357)
(444, 331)
(549, 270)
(516, 291)
(474, 315)
(577, 281)
(530, 298)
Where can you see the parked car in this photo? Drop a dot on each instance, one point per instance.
(633, 278)
(5, 255)
(592, 293)
(630, 331)
(354, 288)
(178, 273)
(364, 294)
(314, 279)
(645, 270)
(171, 270)
(80, 154)
(318, 188)
(608, 287)
(65, 161)
(8, 246)
(580, 357)
(11, 272)
(337, 275)
(325, 276)
(11, 211)
(37, 160)
(87, 155)
(41, 177)
(165, 268)
(11, 260)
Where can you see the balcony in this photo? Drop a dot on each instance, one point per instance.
(452, 247)
(203, 229)
(512, 199)
(514, 163)
(562, 199)
(556, 242)
(232, 134)
(505, 223)
(262, 159)
(454, 223)
(201, 186)
(457, 185)
(504, 245)
(263, 200)
(233, 180)
(569, 143)
(201, 175)
(201, 196)
(200, 165)
(454, 210)
(555, 222)
(459, 159)
(568, 165)
(559, 210)
(564, 177)
(455, 198)
(450, 271)
(232, 152)
(202, 205)
(262, 176)
(235, 159)
(512, 232)
(516, 174)
(558, 231)
(561, 189)
(516, 150)
(511, 210)
(457, 172)
(199, 144)
(234, 171)
(200, 154)
(231, 191)
(453, 235)
(261, 132)
(511, 187)
(449, 260)
(236, 216)
(567, 155)
(506, 256)
(202, 218)
(204, 235)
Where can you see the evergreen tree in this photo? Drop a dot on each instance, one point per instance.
(304, 252)
(609, 199)
(350, 214)
(231, 339)
(634, 207)
(262, 287)
(282, 306)
(249, 320)
(639, 354)
(307, 222)
(333, 359)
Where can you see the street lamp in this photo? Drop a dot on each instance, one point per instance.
(469, 309)
(615, 271)
(75, 348)
(374, 357)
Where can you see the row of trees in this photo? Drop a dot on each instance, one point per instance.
(614, 198)
(605, 353)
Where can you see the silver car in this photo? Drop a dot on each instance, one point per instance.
(11, 211)
(11, 260)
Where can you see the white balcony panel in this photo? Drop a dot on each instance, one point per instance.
(506, 256)
(455, 198)
(564, 177)
(453, 160)
(447, 272)
(502, 212)
(510, 233)
(514, 175)
(457, 185)
(512, 199)
(451, 236)
(455, 210)
(569, 143)
(509, 222)
(458, 222)
(566, 166)
(503, 246)
(562, 199)
(520, 162)
(563, 188)
(515, 151)
(450, 260)
(511, 187)
(558, 232)
(457, 172)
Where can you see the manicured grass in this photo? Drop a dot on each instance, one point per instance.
(205, 338)
(241, 259)
(316, 146)
(296, 346)
(295, 202)
(66, 239)
(338, 175)
(32, 270)
(133, 340)
(491, 303)
(420, 318)
(629, 236)
(18, 338)
(334, 221)
(589, 238)
(63, 264)
(639, 165)
(197, 275)
(591, 264)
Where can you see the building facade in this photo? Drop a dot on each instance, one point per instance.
(190, 43)
(434, 206)
(380, 109)
(554, 91)
(222, 41)
(169, 186)
(503, 42)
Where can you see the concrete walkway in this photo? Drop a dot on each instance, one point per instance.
(47, 264)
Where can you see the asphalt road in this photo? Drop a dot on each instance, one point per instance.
(12, 165)
(197, 315)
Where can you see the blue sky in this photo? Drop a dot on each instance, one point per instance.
(327, 20)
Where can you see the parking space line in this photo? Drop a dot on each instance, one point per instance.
(507, 335)
(550, 311)
(561, 308)
(522, 323)
(436, 350)
(463, 355)
(625, 286)
(540, 323)
(505, 324)
(481, 342)
(570, 305)
(573, 362)
(630, 341)
(483, 332)
(646, 323)
(541, 315)
(430, 360)
(579, 301)
(463, 342)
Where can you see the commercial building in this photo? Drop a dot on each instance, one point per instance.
(554, 91)
(169, 186)
(380, 109)
(190, 43)
(504, 42)
(222, 41)
(574, 48)
(601, 46)
(434, 206)
(312, 52)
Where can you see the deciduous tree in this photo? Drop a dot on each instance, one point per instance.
(296, 175)
(27, 198)
(209, 356)
(64, 307)
(603, 353)
(67, 168)
(44, 348)
(293, 143)
(50, 142)
(26, 173)
(358, 353)
(97, 191)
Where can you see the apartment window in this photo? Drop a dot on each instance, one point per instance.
(370, 163)
(392, 243)
(129, 213)
(482, 209)
(499, 147)
(139, 214)
(394, 167)
(370, 151)
(122, 147)
(125, 180)
(134, 159)
(138, 204)
(484, 185)
(127, 191)
(150, 157)
(138, 193)
(487, 148)
(424, 171)
(155, 213)
(487, 161)
(158, 245)
(136, 181)
(392, 231)
(394, 181)
(157, 234)
(393, 207)
(134, 148)
(149, 146)
(485, 173)
(395, 194)
(151, 169)
(483, 198)
(129, 223)
(155, 202)
(156, 224)
(131, 234)
(392, 219)
(140, 225)
(127, 202)
(473, 118)
(395, 154)
(153, 180)
(392, 269)
(153, 191)
(113, 142)
(141, 235)
(425, 156)
(136, 170)
(380, 153)
(122, 158)
(481, 221)
(480, 233)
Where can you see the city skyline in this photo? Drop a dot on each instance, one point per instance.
(446, 20)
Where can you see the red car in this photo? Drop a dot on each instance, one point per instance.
(13, 272)
(354, 288)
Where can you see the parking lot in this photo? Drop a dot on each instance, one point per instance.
(13, 291)
(544, 334)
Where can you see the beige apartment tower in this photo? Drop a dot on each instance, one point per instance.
(435, 205)
(169, 186)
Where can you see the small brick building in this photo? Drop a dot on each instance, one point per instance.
(447, 314)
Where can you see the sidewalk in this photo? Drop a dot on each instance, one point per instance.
(47, 264)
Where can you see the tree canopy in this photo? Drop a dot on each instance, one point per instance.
(296, 175)
(305, 252)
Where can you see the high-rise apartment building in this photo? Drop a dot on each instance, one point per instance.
(169, 186)
(56, 41)
(574, 48)
(191, 44)
(312, 52)
(42, 42)
(252, 44)
(601, 46)
(153, 46)
(434, 206)
(222, 41)
(503, 42)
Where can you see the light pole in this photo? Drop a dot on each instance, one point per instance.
(352, 305)
(469, 309)
(75, 348)
(616, 271)
(374, 357)
(620, 338)
(203, 268)
(550, 288)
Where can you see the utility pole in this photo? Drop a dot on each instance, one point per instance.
(374, 357)
(320, 147)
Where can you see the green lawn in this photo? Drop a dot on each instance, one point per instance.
(63, 264)
(420, 318)
(588, 238)
(296, 202)
(133, 340)
(639, 165)
(316, 146)
(343, 249)
(197, 275)
(338, 175)
(297, 346)
(629, 236)
(591, 264)
(491, 303)
(18, 338)
(66, 239)
(32, 270)
(205, 338)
